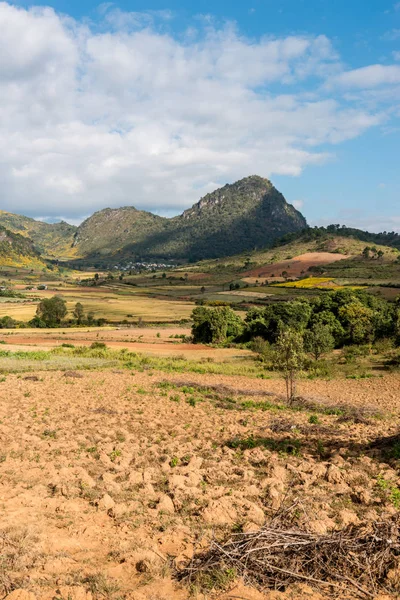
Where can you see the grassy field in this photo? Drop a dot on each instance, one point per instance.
(112, 307)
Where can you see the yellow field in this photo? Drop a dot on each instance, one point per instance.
(108, 306)
(18, 310)
(311, 283)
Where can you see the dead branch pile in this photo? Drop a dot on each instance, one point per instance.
(357, 558)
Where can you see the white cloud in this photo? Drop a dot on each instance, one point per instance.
(298, 204)
(125, 113)
(392, 35)
(368, 77)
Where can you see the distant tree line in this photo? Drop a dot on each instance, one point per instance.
(386, 238)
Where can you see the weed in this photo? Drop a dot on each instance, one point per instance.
(115, 454)
(100, 586)
(215, 579)
(50, 433)
(389, 490)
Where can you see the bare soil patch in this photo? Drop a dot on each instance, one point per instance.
(297, 265)
(112, 481)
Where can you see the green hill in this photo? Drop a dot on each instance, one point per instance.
(248, 214)
(52, 240)
(109, 231)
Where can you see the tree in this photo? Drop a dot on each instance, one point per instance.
(215, 325)
(357, 320)
(7, 322)
(52, 311)
(90, 318)
(79, 313)
(289, 359)
(318, 340)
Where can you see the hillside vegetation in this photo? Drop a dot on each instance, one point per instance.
(238, 217)
(17, 251)
(250, 213)
(334, 245)
(52, 240)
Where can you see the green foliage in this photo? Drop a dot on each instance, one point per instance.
(357, 320)
(52, 311)
(7, 323)
(347, 316)
(98, 346)
(17, 250)
(49, 239)
(37, 322)
(79, 313)
(268, 322)
(261, 347)
(215, 325)
(289, 358)
(318, 340)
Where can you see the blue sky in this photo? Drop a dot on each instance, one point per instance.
(156, 104)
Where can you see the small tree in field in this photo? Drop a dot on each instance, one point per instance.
(52, 311)
(318, 340)
(79, 313)
(289, 359)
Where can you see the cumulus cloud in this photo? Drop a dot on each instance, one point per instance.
(122, 112)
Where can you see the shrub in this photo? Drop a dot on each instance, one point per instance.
(98, 346)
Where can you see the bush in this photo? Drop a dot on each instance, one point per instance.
(98, 346)
(261, 347)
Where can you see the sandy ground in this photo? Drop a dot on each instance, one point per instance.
(297, 265)
(111, 480)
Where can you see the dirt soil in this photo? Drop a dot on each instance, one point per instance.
(154, 341)
(296, 266)
(111, 480)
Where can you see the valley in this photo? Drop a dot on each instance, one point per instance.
(161, 411)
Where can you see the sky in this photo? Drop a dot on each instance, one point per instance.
(155, 104)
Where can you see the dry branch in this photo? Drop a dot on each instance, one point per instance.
(357, 558)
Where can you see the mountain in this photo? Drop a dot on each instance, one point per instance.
(110, 230)
(248, 214)
(52, 240)
(18, 251)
